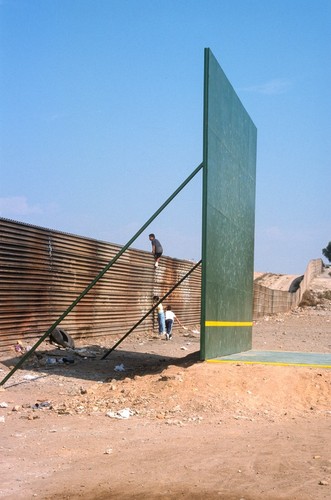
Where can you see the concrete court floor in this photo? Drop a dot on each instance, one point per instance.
(280, 358)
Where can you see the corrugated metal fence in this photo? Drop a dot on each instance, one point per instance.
(43, 271)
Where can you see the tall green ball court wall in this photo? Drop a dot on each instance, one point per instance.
(229, 170)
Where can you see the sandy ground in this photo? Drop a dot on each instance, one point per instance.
(193, 429)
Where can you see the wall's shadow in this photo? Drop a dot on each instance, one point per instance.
(88, 365)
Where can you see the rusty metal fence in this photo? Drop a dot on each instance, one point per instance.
(42, 271)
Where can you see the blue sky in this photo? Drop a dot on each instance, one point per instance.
(101, 117)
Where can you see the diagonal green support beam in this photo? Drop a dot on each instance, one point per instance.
(100, 275)
(152, 309)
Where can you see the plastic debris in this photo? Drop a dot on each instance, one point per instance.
(81, 350)
(60, 361)
(30, 377)
(42, 404)
(19, 347)
(119, 368)
(121, 414)
(3, 405)
(50, 361)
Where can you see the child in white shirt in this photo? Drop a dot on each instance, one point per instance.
(170, 317)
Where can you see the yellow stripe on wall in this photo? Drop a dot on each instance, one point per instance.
(228, 323)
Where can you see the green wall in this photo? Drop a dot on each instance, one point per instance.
(229, 159)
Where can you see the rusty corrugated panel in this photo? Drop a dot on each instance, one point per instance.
(185, 300)
(43, 271)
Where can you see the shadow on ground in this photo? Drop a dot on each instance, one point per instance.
(86, 364)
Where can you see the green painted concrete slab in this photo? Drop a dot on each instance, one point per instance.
(315, 359)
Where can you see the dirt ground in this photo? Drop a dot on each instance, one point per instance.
(152, 421)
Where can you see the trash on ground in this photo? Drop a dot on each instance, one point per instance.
(121, 414)
(30, 377)
(60, 361)
(61, 337)
(66, 361)
(50, 361)
(3, 405)
(85, 353)
(119, 368)
(42, 404)
(2, 419)
(18, 347)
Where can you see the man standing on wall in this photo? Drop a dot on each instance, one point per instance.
(157, 249)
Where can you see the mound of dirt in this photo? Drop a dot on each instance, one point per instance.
(205, 391)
